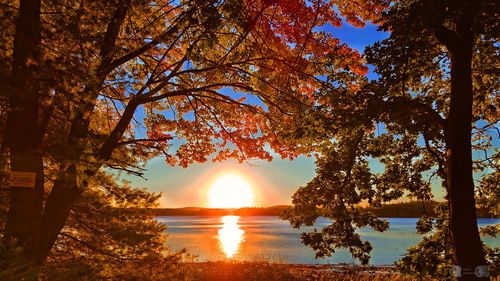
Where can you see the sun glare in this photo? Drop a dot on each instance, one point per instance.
(230, 191)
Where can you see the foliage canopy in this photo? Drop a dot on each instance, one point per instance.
(393, 137)
(90, 88)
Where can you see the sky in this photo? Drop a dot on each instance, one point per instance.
(273, 182)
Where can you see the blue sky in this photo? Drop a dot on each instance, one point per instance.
(274, 182)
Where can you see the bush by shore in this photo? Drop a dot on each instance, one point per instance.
(250, 271)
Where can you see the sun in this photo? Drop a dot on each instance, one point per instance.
(230, 191)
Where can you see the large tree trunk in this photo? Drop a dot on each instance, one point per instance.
(23, 142)
(63, 196)
(66, 189)
(463, 222)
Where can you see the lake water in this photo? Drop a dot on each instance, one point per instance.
(272, 239)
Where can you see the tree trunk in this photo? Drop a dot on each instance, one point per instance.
(64, 194)
(24, 218)
(23, 142)
(463, 222)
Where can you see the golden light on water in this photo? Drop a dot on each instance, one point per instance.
(230, 235)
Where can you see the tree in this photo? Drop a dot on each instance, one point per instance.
(434, 106)
(93, 85)
(109, 234)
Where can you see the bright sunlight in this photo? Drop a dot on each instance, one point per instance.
(230, 235)
(230, 191)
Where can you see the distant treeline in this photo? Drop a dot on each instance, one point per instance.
(396, 210)
(412, 209)
(196, 211)
(416, 209)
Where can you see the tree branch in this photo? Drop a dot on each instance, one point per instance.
(447, 37)
(134, 141)
(159, 39)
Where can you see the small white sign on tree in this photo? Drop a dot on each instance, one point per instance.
(22, 179)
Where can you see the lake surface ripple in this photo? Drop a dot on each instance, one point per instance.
(272, 239)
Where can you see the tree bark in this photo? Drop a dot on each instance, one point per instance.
(64, 194)
(463, 221)
(23, 142)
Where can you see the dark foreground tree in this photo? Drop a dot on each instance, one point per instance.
(108, 235)
(432, 113)
(93, 85)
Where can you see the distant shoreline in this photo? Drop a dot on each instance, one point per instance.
(198, 211)
(395, 210)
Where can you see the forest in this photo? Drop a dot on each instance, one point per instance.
(90, 91)
(392, 210)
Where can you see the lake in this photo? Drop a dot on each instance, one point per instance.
(272, 239)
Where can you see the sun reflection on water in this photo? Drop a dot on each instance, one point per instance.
(230, 235)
